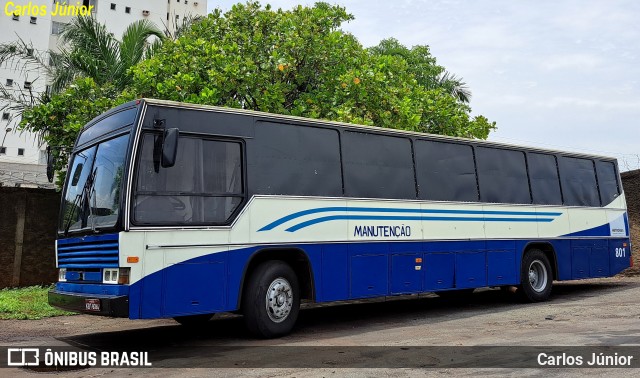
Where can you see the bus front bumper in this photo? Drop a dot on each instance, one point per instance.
(94, 304)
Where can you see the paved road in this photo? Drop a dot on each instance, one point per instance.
(594, 312)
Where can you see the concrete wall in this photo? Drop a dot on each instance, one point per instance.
(631, 186)
(28, 222)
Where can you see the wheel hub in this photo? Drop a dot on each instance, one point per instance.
(279, 300)
(538, 276)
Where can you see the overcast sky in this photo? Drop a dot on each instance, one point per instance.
(558, 74)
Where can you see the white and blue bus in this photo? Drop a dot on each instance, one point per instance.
(182, 211)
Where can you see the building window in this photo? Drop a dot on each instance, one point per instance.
(3, 150)
(56, 27)
(20, 151)
(27, 85)
(34, 20)
(5, 116)
(16, 17)
(127, 10)
(42, 157)
(113, 6)
(9, 82)
(167, 16)
(177, 16)
(186, 2)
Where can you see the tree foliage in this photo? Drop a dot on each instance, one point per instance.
(295, 62)
(61, 118)
(95, 53)
(299, 62)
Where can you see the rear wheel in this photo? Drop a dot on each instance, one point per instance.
(271, 300)
(536, 278)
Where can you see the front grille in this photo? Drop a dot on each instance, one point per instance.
(100, 251)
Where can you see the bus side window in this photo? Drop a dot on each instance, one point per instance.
(543, 175)
(445, 171)
(203, 187)
(578, 179)
(296, 160)
(607, 181)
(377, 166)
(502, 175)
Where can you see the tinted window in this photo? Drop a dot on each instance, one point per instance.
(445, 171)
(203, 187)
(543, 175)
(107, 125)
(578, 180)
(92, 197)
(377, 166)
(502, 176)
(607, 181)
(296, 160)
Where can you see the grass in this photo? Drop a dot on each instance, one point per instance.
(27, 303)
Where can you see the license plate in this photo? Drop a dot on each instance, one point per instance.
(92, 304)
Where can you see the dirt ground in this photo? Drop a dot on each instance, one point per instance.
(590, 312)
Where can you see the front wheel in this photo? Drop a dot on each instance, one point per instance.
(535, 277)
(271, 300)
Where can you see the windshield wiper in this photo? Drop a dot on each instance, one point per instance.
(74, 207)
(91, 195)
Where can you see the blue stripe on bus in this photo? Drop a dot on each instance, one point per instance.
(420, 218)
(299, 214)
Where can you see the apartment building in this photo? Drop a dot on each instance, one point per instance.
(39, 23)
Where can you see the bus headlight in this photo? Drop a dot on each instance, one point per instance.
(62, 274)
(116, 276)
(123, 276)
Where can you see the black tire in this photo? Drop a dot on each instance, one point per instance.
(276, 316)
(536, 277)
(193, 320)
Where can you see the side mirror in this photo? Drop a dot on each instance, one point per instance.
(50, 164)
(169, 147)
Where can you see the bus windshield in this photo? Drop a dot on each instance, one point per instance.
(92, 194)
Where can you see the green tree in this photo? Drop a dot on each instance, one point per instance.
(295, 62)
(60, 119)
(87, 50)
(93, 60)
(423, 65)
(299, 62)
(97, 54)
